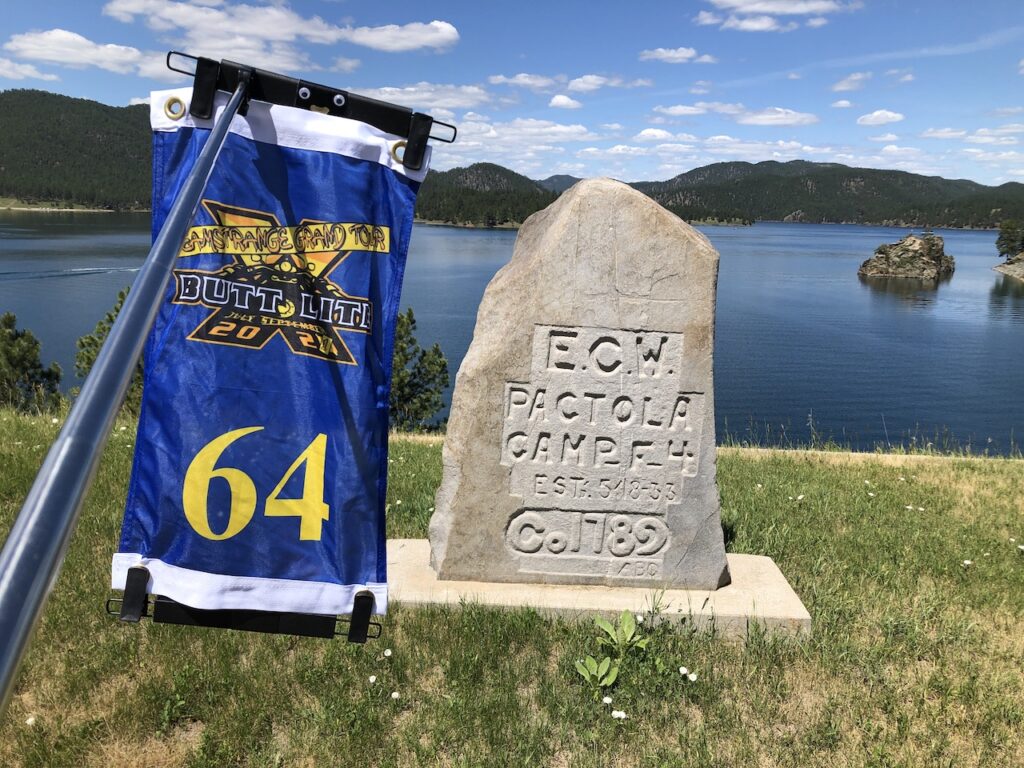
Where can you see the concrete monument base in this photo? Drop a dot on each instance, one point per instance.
(759, 594)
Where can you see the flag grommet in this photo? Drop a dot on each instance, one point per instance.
(397, 150)
(174, 108)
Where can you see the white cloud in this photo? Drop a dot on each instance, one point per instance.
(776, 116)
(1007, 111)
(653, 134)
(342, 64)
(138, 100)
(701, 87)
(707, 19)
(738, 149)
(885, 137)
(842, 104)
(612, 126)
(780, 7)
(272, 35)
(943, 133)
(891, 150)
(59, 46)
(431, 96)
(722, 108)
(619, 150)
(852, 82)
(438, 35)
(907, 78)
(879, 117)
(991, 137)
(528, 146)
(757, 24)
(524, 80)
(679, 110)
(705, 58)
(588, 83)
(561, 101)
(668, 55)
(794, 76)
(1002, 130)
(11, 70)
(817, 22)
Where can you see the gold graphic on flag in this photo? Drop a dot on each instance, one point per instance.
(278, 281)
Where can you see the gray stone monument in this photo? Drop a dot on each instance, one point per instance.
(581, 441)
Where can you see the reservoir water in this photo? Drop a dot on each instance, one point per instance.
(803, 348)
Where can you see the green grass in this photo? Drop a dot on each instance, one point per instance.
(914, 660)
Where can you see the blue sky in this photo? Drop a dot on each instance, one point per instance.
(639, 90)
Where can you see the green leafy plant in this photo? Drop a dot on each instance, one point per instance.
(620, 639)
(623, 637)
(598, 674)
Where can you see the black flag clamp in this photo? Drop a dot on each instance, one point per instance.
(136, 604)
(211, 76)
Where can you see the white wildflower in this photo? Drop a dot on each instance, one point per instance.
(606, 700)
(968, 563)
(54, 420)
(373, 679)
(867, 482)
(692, 677)
(398, 503)
(394, 695)
(684, 671)
(387, 653)
(871, 494)
(639, 618)
(760, 486)
(920, 509)
(910, 507)
(122, 429)
(618, 714)
(800, 497)
(903, 479)
(1020, 548)
(790, 498)
(30, 720)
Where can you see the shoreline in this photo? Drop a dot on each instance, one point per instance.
(1016, 270)
(51, 209)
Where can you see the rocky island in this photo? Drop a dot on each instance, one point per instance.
(915, 256)
(1013, 267)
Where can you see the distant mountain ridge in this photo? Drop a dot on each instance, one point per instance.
(61, 150)
(800, 190)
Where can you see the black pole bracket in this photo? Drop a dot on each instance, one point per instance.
(135, 600)
(210, 76)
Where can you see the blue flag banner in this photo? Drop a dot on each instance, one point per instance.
(260, 466)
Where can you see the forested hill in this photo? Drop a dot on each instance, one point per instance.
(483, 193)
(56, 149)
(829, 192)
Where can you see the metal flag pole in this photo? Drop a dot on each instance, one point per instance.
(34, 552)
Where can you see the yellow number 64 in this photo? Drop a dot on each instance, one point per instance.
(310, 509)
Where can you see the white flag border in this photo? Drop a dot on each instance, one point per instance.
(290, 127)
(216, 592)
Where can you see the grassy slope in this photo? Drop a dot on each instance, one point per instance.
(915, 660)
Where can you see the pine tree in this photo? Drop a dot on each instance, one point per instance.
(24, 384)
(1010, 242)
(89, 347)
(418, 378)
